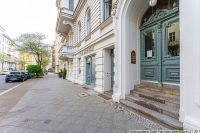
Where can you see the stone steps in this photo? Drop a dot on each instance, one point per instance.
(164, 120)
(107, 95)
(152, 95)
(158, 104)
(169, 91)
(158, 90)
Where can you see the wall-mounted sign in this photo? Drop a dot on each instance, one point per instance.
(133, 57)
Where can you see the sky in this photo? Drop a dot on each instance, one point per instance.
(24, 16)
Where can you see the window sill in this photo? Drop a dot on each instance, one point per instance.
(88, 37)
(106, 22)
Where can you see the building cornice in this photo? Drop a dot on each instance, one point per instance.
(79, 7)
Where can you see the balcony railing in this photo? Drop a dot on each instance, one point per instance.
(66, 52)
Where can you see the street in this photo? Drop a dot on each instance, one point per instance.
(5, 86)
(53, 105)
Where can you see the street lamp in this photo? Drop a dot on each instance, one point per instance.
(152, 3)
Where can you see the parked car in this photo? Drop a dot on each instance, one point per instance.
(5, 72)
(28, 75)
(15, 76)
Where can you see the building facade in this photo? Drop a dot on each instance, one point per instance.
(26, 59)
(8, 53)
(118, 44)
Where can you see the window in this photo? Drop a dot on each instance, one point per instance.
(88, 21)
(149, 44)
(79, 65)
(172, 36)
(107, 7)
(79, 31)
(173, 39)
(71, 5)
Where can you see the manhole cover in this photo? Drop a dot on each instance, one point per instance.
(83, 95)
(28, 122)
(47, 121)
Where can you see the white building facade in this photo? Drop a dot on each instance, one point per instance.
(8, 52)
(116, 45)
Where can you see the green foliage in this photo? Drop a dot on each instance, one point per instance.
(64, 73)
(35, 70)
(33, 43)
(60, 74)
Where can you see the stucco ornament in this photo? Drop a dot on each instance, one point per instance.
(152, 3)
(114, 7)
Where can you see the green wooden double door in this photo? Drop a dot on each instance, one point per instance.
(160, 47)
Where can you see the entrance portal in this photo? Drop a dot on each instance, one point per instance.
(90, 70)
(160, 45)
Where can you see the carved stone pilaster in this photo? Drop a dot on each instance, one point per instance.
(114, 7)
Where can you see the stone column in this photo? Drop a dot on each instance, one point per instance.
(117, 90)
(190, 63)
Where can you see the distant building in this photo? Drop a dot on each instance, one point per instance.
(8, 52)
(25, 59)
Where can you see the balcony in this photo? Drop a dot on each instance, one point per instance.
(66, 52)
(64, 21)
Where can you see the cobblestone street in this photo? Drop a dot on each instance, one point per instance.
(53, 105)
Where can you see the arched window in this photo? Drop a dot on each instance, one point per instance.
(79, 32)
(88, 21)
(107, 7)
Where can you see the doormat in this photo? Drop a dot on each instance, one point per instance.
(104, 96)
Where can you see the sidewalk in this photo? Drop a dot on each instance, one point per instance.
(54, 105)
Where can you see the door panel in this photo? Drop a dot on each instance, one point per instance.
(170, 51)
(90, 70)
(112, 69)
(149, 54)
(160, 48)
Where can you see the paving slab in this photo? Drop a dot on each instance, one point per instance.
(53, 105)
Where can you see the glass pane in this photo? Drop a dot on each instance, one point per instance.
(107, 8)
(149, 44)
(71, 4)
(173, 39)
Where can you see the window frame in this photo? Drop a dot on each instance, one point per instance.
(107, 9)
(79, 31)
(88, 21)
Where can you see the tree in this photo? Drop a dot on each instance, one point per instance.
(33, 43)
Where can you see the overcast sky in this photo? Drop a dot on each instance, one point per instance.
(22, 16)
